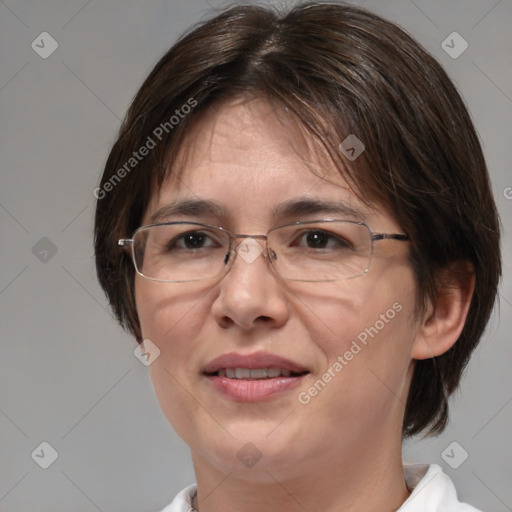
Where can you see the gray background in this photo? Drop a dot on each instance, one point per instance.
(68, 373)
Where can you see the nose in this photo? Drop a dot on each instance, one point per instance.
(250, 294)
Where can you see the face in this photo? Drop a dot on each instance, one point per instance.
(350, 340)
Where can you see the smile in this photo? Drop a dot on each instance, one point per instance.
(253, 377)
(256, 373)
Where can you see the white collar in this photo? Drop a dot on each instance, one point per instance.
(432, 491)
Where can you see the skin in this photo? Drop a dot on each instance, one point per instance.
(342, 450)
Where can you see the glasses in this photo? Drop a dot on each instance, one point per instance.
(312, 251)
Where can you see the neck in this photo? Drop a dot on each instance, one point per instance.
(372, 480)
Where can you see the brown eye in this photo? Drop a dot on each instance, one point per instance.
(322, 240)
(191, 240)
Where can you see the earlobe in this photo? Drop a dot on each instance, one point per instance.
(443, 323)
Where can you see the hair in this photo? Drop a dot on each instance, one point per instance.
(338, 70)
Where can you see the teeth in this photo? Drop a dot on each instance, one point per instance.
(255, 373)
(243, 373)
(258, 373)
(274, 372)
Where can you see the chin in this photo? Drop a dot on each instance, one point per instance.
(251, 452)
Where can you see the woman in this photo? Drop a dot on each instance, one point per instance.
(296, 224)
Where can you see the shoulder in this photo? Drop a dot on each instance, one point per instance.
(432, 491)
(183, 500)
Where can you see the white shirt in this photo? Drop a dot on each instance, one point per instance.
(433, 491)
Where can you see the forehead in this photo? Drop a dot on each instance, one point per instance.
(249, 158)
(250, 133)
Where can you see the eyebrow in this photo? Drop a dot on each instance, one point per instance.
(302, 207)
(289, 209)
(187, 208)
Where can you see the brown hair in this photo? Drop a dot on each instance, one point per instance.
(338, 70)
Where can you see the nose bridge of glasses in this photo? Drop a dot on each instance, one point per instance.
(243, 236)
(248, 248)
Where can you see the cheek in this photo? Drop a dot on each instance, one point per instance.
(171, 316)
(167, 310)
(358, 311)
(365, 334)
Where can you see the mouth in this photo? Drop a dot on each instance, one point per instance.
(255, 373)
(254, 377)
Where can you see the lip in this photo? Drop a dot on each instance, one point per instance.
(253, 390)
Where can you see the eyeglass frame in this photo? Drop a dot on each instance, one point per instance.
(374, 237)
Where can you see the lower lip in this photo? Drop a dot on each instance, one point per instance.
(247, 390)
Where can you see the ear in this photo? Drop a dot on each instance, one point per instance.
(442, 324)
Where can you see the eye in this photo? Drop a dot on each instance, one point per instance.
(320, 239)
(192, 240)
